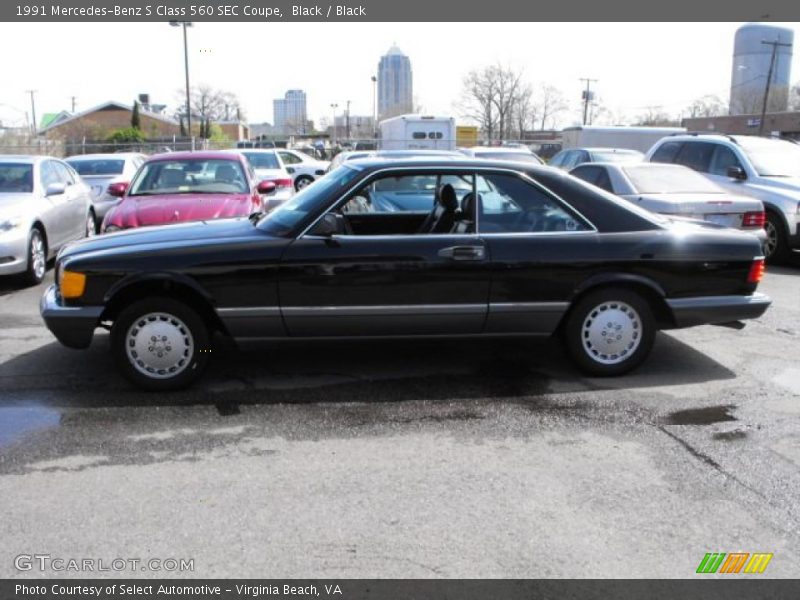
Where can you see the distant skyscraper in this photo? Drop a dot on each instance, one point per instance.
(289, 112)
(395, 90)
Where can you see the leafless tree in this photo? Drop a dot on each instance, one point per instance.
(655, 116)
(549, 103)
(709, 105)
(210, 103)
(478, 99)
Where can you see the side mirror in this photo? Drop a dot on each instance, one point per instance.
(266, 187)
(55, 189)
(118, 189)
(290, 170)
(737, 173)
(327, 226)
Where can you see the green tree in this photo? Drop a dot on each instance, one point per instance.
(127, 135)
(136, 122)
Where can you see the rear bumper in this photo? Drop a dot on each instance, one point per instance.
(73, 326)
(708, 310)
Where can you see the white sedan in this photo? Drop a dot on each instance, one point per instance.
(268, 166)
(302, 167)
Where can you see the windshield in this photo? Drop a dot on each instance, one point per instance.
(97, 167)
(262, 160)
(772, 158)
(288, 215)
(16, 178)
(617, 156)
(190, 176)
(515, 156)
(652, 178)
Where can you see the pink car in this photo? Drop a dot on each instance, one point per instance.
(186, 186)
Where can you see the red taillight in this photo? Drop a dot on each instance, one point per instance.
(282, 182)
(754, 219)
(756, 271)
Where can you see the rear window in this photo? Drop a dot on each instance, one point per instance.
(669, 180)
(667, 152)
(16, 177)
(619, 156)
(98, 167)
(262, 160)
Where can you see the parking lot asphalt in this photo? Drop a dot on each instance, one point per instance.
(407, 459)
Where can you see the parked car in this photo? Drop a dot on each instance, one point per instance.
(186, 186)
(305, 168)
(101, 170)
(43, 205)
(268, 166)
(554, 256)
(571, 158)
(391, 154)
(676, 191)
(764, 168)
(516, 153)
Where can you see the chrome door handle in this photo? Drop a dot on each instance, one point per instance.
(463, 252)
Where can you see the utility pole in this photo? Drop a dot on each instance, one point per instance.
(774, 45)
(73, 98)
(587, 97)
(374, 107)
(34, 127)
(333, 123)
(186, 24)
(347, 120)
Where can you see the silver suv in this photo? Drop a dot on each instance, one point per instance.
(765, 168)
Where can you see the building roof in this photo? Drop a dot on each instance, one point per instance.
(104, 106)
(49, 119)
(395, 51)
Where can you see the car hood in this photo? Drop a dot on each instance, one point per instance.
(166, 235)
(136, 211)
(15, 204)
(788, 186)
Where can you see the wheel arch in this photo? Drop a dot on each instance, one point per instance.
(181, 288)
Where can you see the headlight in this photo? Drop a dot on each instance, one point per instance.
(71, 283)
(9, 224)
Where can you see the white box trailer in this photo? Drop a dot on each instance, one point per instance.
(416, 132)
(632, 138)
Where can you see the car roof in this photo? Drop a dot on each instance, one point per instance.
(637, 165)
(199, 155)
(101, 155)
(243, 150)
(505, 149)
(620, 150)
(377, 162)
(25, 158)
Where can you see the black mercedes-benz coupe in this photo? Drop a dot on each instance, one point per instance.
(431, 246)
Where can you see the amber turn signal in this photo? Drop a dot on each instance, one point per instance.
(72, 284)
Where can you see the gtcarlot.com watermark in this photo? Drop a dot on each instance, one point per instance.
(59, 564)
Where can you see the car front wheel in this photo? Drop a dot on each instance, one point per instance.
(610, 332)
(37, 257)
(160, 344)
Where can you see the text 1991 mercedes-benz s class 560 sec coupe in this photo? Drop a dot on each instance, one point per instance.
(430, 246)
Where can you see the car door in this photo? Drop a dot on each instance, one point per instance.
(722, 159)
(385, 277)
(57, 221)
(538, 245)
(77, 201)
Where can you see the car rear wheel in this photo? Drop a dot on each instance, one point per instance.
(776, 246)
(302, 181)
(610, 332)
(160, 344)
(91, 225)
(37, 257)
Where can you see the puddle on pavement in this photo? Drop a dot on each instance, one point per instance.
(17, 421)
(700, 416)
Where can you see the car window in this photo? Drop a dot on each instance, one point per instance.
(405, 193)
(16, 178)
(289, 158)
(696, 155)
(63, 173)
(98, 166)
(508, 204)
(558, 159)
(723, 159)
(667, 152)
(48, 174)
(262, 160)
(190, 176)
(595, 175)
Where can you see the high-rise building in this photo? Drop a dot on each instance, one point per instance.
(752, 55)
(289, 113)
(395, 89)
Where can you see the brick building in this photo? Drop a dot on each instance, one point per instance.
(784, 124)
(100, 121)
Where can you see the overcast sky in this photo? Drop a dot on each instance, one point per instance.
(637, 64)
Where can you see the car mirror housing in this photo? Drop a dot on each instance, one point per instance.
(118, 189)
(737, 173)
(327, 226)
(266, 187)
(54, 189)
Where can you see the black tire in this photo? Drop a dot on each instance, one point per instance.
(35, 270)
(178, 320)
(91, 221)
(776, 248)
(302, 181)
(638, 327)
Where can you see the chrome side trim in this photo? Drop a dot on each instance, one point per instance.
(383, 310)
(249, 311)
(525, 307)
(756, 299)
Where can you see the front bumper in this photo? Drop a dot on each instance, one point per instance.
(709, 310)
(73, 326)
(14, 252)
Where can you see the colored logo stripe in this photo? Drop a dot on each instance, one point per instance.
(758, 563)
(734, 562)
(713, 562)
